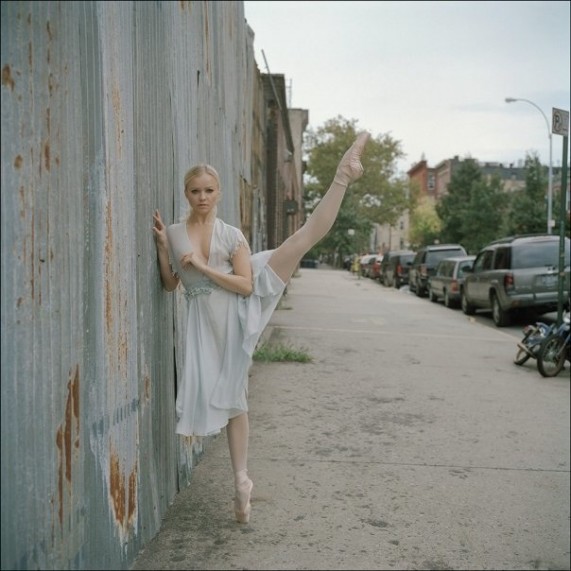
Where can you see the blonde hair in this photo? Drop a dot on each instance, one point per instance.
(198, 170)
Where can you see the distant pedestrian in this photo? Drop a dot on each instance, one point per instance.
(356, 266)
(231, 296)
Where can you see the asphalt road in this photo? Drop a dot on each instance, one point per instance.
(411, 441)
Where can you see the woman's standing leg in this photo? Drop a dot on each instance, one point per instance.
(238, 433)
(286, 257)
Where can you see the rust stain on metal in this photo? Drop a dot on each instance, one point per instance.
(108, 268)
(51, 84)
(59, 444)
(71, 413)
(147, 388)
(123, 495)
(119, 130)
(18, 161)
(7, 79)
(47, 155)
(22, 211)
(117, 482)
(64, 435)
(132, 507)
(75, 400)
(46, 145)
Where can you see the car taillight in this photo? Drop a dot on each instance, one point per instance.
(399, 269)
(509, 281)
(454, 286)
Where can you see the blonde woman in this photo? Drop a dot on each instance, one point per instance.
(231, 296)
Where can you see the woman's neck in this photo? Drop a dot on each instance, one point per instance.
(201, 220)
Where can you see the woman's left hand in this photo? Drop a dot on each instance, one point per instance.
(192, 259)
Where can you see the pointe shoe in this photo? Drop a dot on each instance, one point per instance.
(242, 506)
(350, 168)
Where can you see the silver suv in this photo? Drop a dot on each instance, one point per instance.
(425, 262)
(519, 272)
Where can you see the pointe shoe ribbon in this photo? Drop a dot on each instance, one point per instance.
(350, 168)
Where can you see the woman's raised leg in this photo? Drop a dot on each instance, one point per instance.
(287, 256)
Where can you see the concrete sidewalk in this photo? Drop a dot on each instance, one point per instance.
(410, 442)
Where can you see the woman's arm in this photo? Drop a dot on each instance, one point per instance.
(169, 279)
(238, 282)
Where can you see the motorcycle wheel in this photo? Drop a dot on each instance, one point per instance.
(521, 357)
(551, 356)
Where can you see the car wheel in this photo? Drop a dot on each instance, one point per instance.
(467, 307)
(432, 296)
(447, 301)
(501, 318)
(418, 290)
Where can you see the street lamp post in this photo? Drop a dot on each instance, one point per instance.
(550, 174)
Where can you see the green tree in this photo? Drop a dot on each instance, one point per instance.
(484, 216)
(473, 210)
(453, 206)
(528, 208)
(377, 197)
(557, 214)
(425, 225)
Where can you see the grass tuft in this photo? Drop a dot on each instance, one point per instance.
(279, 353)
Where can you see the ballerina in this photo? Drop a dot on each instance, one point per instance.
(231, 294)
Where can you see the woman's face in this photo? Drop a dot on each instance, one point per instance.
(202, 193)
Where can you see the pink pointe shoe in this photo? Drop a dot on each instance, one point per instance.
(242, 506)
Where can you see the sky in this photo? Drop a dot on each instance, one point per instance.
(432, 75)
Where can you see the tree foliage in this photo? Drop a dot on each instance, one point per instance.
(528, 208)
(473, 210)
(425, 224)
(377, 197)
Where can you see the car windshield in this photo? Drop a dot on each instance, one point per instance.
(438, 255)
(538, 254)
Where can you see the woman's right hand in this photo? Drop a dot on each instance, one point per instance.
(160, 230)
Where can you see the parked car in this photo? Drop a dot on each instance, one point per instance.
(309, 263)
(515, 273)
(448, 280)
(425, 262)
(364, 264)
(375, 267)
(395, 267)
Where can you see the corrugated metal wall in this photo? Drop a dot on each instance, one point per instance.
(105, 105)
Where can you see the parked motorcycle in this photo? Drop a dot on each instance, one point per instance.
(533, 336)
(554, 350)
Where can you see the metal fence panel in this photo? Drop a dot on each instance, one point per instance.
(105, 105)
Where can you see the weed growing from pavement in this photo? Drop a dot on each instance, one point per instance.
(268, 352)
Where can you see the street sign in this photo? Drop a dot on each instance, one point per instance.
(560, 122)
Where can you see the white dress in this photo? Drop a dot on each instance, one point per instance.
(222, 331)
